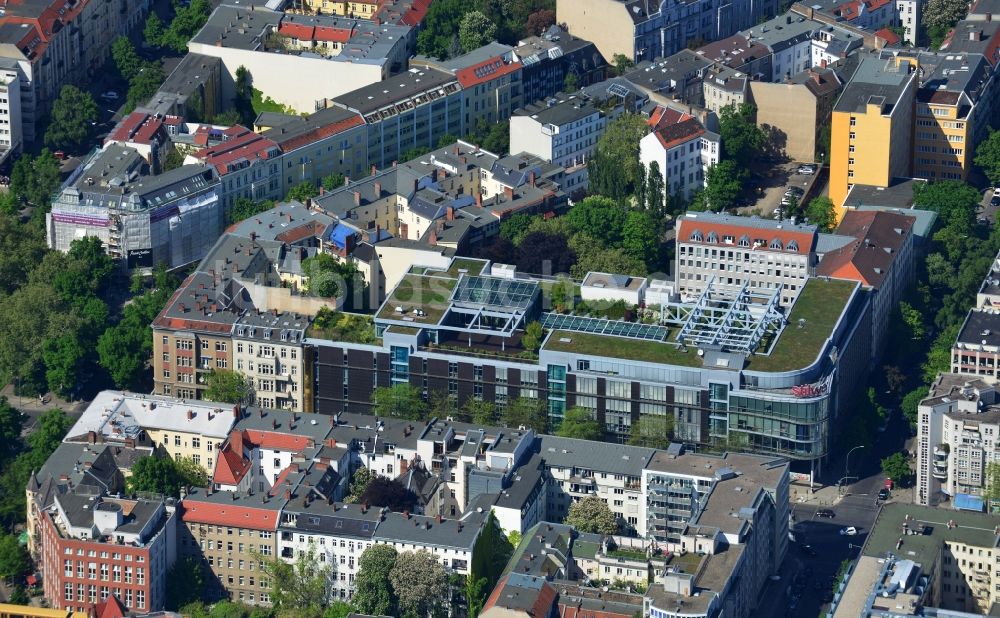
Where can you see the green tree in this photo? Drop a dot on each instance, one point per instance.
(63, 359)
(373, 595)
(49, 432)
(227, 386)
(185, 582)
(992, 483)
(301, 192)
(953, 200)
(480, 412)
(533, 336)
(419, 581)
(988, 157)
(652, 431)
(191, 474)
(580, 423)
(622, 63)
(400, 401)
(154, 30)
(570, 82)
(73, 115)
(172, 161)
(121, 351)
(475, 30)
(326, 275)
(35, 179)
(527, 412)
(144, 85)
(641, 237)
(359, 483)
(127, 61)
(302, 585)
(11, 425)
(614, 168)
(723, 184)
(742, 140)
(821, 211)
(896, 467)
(913, 319)
(243, 208)
(591, 514)
(155, 474)
(243, 96)
(14, 560)
(939, 16)
(332, 181)
(911, 403)
(656, 195)
(515, 227)
(601, 218)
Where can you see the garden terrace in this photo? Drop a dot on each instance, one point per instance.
(621, 347)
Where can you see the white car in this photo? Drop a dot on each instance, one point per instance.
(110, 95)
(849, 531)
(996, 191)
(806, 170)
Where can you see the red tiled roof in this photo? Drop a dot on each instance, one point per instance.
(234, 515)
(890, 37)
(320, 132)
(277, 440)
(243, 144)
(879, 238)
(688, 226)
(541, 605)
(874, 5)
(848, 10)
(673, 128)
(111, 608)
(485, 71)
(232, 466)
(306, 32)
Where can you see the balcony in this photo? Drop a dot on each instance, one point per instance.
(940, 470)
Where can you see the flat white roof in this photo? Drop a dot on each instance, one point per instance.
(121, 415)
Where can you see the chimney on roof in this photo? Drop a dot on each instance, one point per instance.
(406, 513)
(236, 412)
(180, 306)
(531, 178)
(822, 63)
(374, 170)
(508, 192)
(378, 189)
(456, 149)
(815, 76)
(439, 518)
(432, 240)
(288, 494)
(260, 412)
(450, 213)
(357, 198)
(394, 164)
(347, 180)
(274, 423)
(91, 437)
(479, 200)
(190, 414)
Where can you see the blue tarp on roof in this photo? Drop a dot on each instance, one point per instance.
(339, 235)
(966, 502)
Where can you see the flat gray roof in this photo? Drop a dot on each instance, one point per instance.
(877, 81)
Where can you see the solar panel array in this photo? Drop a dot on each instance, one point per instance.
(603, 326)
(495, 292)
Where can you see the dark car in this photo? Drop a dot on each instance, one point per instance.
(995, 200)
(827, 513)
(808, 550)
(883, 494)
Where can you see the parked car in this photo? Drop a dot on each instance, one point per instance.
(995, 200)
(883, 494)
(796, 191)
(996, 191)
(110, 95)
(806, 170)
(849, 531)
(826, 513)
(808, 550)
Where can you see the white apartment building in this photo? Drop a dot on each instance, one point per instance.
(958, 428)
(10, 109)
(268, 350)
(682, 150)
(908, 16)
(563, 131)
(732, 251)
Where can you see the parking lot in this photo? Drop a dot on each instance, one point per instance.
(772, 189)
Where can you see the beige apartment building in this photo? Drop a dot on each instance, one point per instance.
(269, 351)
(798, 108)
(182, 360)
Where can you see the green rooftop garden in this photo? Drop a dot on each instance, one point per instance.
(622, 347)
(688, 563)
(628, 554)
(340, 326)
(425, 292)
(819, 305)
(471, 266)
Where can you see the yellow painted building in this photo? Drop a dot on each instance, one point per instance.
(954, 105)
(871, 133)
(336, 7)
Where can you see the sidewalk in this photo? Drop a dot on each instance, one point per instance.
(819, 496)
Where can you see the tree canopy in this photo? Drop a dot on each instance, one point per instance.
(526, 411)
(742, 140)
(400, 401)
(185, 582)
(73, 115)
(302, 585)
(372, 595)
(953, 200)
(988, 157)
(821, 211)
(420, 583)
(896, 467)
(614, 169)
(652, 431)
(383, 492)
(591, 514)
(227, 386)
(580, 423)
(475, 30)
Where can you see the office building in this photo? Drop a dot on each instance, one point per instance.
(872, 125)
(428, 100)
(172, 218)
(94, 545)
(11, 122)
(714, 249)
(682, 150)
(922, 561)
(955, 105)
(957, 425)
(715, 384)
